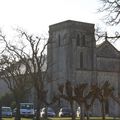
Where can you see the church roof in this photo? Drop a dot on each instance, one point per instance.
(106, 49)
(70, 24)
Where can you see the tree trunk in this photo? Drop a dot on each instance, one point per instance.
(46, 115)
(73, 116)
(87, 114)
(38, 108)
(82, 112)
(103, 110)
(87, 110)
(0, 112)
(17, 115)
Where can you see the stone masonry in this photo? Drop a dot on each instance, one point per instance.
(74, 56)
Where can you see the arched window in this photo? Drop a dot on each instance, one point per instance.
(78, 40)
(81, 60)
(83, 40)
(59, 40)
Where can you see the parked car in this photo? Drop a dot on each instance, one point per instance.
(49, 110)
(65, 112)
(78, 112)
(6, 112)
(27, 109)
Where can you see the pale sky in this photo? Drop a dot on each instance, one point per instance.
(35, 16)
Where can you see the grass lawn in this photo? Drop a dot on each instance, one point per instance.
(57, 118)
(13, 118)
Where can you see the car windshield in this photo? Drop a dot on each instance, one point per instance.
(66, 110)
(26, 106)
(5, 109)
(50, 110)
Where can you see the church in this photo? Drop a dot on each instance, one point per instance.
(74, 56)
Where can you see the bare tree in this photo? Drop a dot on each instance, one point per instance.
(18, 83)
(66, 92)
(111, 8)
(75, 93)
(81, 98)
(37, 61)
(31, 51)
(102, 36)
(103, 94)
(85, 99)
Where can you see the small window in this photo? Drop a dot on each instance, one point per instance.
(78, 40)
(81, 60)
(83, 40)
(59, 40)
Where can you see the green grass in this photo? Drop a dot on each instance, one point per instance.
(67, 118)
(14, 118)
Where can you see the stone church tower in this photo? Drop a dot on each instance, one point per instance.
(74, 56)
(72, 51)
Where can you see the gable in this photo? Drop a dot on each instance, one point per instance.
(106, 49)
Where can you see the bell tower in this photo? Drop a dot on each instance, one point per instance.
(71, 51)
